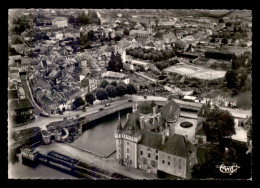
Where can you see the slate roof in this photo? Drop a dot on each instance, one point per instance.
(168, 111)
(132, 126)
(175, 146)
(20, 104)
(152, 140)
(200, 130)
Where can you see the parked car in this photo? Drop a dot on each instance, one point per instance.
(107, 104)
(100, 109)
(130, 100)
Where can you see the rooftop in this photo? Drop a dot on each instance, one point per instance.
(169, 110)
(152, 140)
(20, 104)
(111, 74)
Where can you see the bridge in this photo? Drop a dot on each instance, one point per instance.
(100, 114)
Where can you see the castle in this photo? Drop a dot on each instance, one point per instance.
(148, 141)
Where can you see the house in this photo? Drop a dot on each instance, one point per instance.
(151, 151)
(88, 84)
(15, 60)
(189, 98)
(21, 110)
(111, 76)
(230, 102)
(138, 26)
(60, 22)
(139, 33)
(71, 33)
(169, 37)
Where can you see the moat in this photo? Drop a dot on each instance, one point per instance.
(97, 137)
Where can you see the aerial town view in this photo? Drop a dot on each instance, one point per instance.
(129, 94)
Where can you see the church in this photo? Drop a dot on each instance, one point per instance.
(148, 141)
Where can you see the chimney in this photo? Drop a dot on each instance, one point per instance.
(127, 116)
(154, 110)
(186, 138)
(163, 139)
(141, 119)
(226, 149)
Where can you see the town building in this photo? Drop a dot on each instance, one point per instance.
(60, 22)
(111, 76)
(139, 33)
(148, 141)
(21, 110)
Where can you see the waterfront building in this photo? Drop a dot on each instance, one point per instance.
(148, 141)
(21, 110)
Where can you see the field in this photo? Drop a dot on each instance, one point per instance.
(196, 72)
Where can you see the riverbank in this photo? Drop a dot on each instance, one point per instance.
(109, 164)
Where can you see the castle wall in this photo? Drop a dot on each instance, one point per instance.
(147, 159)
(172, 164)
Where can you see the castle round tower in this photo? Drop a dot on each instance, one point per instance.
(46, 136)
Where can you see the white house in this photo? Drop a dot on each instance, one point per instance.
(60, 22)
(115, 76)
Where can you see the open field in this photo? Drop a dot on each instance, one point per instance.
(196, 72)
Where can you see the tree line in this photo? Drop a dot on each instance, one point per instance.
(237, 78)
(150, 54)
(84, 19)
(106, 91)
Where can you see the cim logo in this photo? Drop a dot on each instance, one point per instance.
(228, 169)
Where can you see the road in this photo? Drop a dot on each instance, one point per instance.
(28, 93)
(43, 121)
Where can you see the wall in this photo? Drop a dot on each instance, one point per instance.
(148, 164)
(132, 152)
(175, 162)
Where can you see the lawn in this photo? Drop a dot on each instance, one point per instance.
(244, 100)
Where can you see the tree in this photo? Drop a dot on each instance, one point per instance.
(232, 79)
(155, 58)
(104, 84)
(111, 91)
(141, 55)
(78, 101)
(131, 89)
(101, 94)
(126, 32)
(114, 83)
(224, 41)
(90, 98)
(213, 40)
(242, 76)
(121, 89)
(219, 124)
(145, 57)
(115, 64)
(221, 20)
